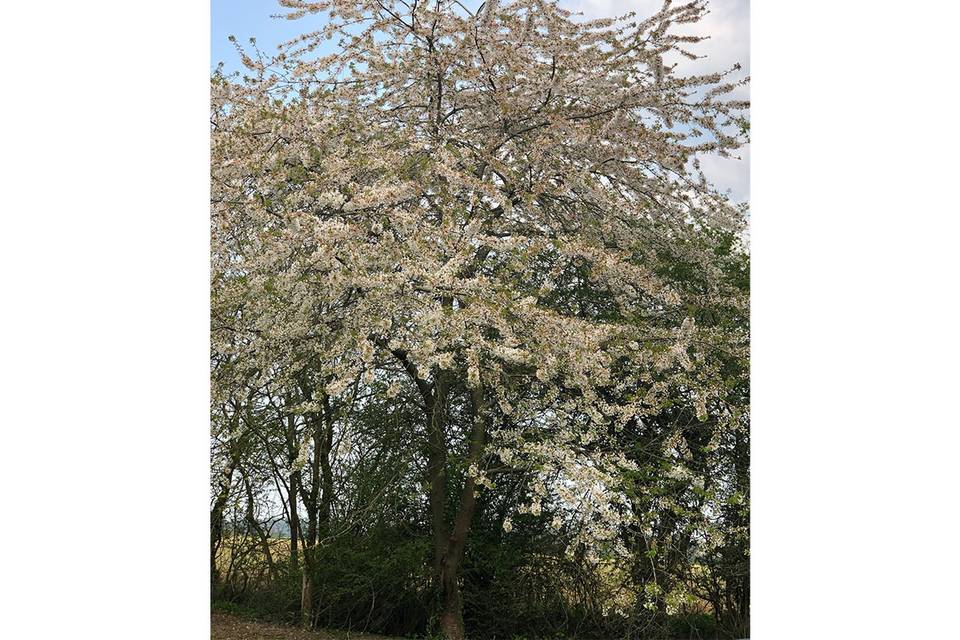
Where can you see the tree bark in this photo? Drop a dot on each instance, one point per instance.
(449, 545)
(451, 618)
(216, 514)
(318, 502)
(311, 500)
(449, 542)
(293, 498)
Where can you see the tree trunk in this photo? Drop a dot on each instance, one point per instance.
(318, 503)
(449, 551)
(294, 520)
(311, 500)
(448, 545)
(293, 493)
(451, 614)
(216, 516)
(324, 443)
(306, 589)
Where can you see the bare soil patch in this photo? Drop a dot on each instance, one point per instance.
(226, 626)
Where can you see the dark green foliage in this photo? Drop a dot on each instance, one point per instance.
(379, 583)
(277, 599)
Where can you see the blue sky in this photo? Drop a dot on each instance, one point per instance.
(728, 24)
(243, 19)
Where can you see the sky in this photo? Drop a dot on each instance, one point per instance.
(728, 25)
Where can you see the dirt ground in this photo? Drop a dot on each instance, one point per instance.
(225, 626)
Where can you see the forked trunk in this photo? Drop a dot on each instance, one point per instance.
(449, 542)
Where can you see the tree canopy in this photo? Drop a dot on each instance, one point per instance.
(475, 306)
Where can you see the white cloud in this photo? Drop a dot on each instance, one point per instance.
(731, 174)
(728, 25)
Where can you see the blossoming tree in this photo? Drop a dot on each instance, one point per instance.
(497, 212)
